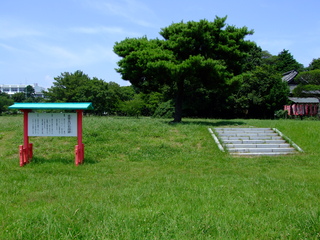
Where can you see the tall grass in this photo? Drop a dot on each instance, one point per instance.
(149, 179)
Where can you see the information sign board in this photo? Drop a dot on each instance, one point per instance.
(52, 124)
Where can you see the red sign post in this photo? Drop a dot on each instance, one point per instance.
(51, 125)
(79, 149)
(25, 149)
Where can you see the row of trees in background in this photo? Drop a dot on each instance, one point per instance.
(198, 69)
(107, 98)
(257, 93)
(79, 87)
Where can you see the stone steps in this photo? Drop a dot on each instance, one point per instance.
(259, 146)
(253, 141)
(261, 141)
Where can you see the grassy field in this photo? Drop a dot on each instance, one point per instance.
(149, 179)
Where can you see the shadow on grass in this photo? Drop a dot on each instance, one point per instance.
(61, 160)
(210, 124)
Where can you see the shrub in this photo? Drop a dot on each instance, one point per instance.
(164, 110)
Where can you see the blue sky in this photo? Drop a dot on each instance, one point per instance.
(40, 39)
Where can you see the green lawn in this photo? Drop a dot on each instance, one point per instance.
(149, 179)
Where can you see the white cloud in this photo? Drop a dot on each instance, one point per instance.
(8, 47)
(73, 57)
(10, 28)
(131, 10)
(103, 30)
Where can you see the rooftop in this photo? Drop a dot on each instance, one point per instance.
(289, 76)
(304, 100)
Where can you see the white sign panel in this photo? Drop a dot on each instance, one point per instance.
(52, 124)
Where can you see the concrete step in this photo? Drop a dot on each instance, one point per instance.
(261, 150)
(261, 141)
(244, 129)
(243, 134)
(253, 154)
(251, 138)
(284, 145)
(252, 133)
(253, 141)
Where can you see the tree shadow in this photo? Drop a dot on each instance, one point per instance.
(61, 160)
(222, 123)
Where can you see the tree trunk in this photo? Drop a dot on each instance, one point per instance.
(179, 102)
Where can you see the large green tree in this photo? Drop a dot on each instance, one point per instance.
(191, 55)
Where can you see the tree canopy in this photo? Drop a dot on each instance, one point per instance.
(309, 77)
(191, 55)
(19, 97)
(315, 64)
(79, 87)
(261, 92)
(285, 62)
(309, 84)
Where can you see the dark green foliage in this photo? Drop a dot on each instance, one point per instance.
(193, 55)
(66, 87)
(309, 84)
(151, 102)
(164, 110)
(19, 97)
(125, 93)
(132, 107)
(136, 64)
(281, 114)
(78, 87)
(315, 64)
(5, 102)
(212, 40)
(260, 94)
(285, 62)
(306, 90)
(30, 92)
(309, 77)
(254, 59)
(268, 59)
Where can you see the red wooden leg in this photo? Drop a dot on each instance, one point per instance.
(76, 153)
(79, 154)
(30, 151)
(21, 152)
(82, 153)
(26, 155)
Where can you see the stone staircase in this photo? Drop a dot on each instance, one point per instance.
(253, 141)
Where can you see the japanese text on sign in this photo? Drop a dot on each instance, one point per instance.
(52, 124)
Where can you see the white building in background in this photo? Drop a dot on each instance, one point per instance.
(16, 88)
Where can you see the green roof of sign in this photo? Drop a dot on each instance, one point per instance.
(62, 106)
